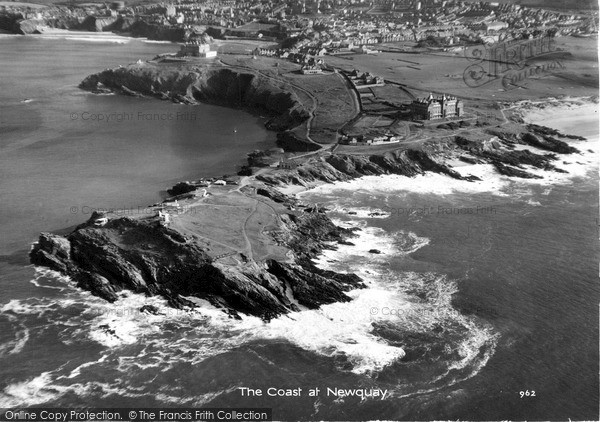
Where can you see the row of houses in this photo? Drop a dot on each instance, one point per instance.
(364, 79)
(311, 65)
(311, 69)
(370, 140)
(291, 53)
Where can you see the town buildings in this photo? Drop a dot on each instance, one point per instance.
(335, 25)
(362, 80)
(370, 140)
(311, 70)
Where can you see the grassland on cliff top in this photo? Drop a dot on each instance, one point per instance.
(437, 72)
(442, 72)
(327, 96)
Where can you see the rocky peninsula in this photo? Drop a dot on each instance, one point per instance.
(240, 243)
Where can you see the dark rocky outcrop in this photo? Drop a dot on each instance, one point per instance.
(29, 26)
(509, 161)
(291, 142)
(548, 143)
(341, 167)
(17, 24)
(233, 88)
(309, 288)
(222, 86)
(147, 258)
(544, 130)
(514, 172)
(274, 195)
(139, 28)
(100, 23)
(9, 22)
(182, 188)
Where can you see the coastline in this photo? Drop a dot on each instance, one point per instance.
(575, 118)
(125, 323)
(561, 114)
(81, 35)
(378, 295)
(265, 242)
(59, 253)
(349, 212)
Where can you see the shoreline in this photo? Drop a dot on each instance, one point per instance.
(114, 329)
(266, 239)
(533, 112)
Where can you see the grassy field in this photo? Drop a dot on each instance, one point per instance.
(228, 224)
(416, 75)
(328, 95)
(443, 73)
(336, 103)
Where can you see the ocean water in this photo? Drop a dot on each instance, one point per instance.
(479, 290)
(58, 161)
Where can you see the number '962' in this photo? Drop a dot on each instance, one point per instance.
(527, 393)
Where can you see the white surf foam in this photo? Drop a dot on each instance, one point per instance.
(346, 328)
(429, 183)
(21, 337)
(49, 279)
(339, 329)
(83, 36)
(46, 388)
(27, 393)
(571, 116)
(370, 238)
(361, 212)
(156, 41)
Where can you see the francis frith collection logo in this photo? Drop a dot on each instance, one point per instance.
(511, 62)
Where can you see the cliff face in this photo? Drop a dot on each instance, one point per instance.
(336, 168)
(148, 258)
(15, 23)
(152, 31)
(219, 86)
(229, 87)
(99, 24)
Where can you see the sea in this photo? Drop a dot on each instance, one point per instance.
(481, 301)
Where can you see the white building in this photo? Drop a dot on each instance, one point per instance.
(197, 50)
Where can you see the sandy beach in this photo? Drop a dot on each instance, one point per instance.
(574, 116)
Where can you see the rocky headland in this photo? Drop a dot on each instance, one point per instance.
(270, 272)
(146, 257)
(231, 87)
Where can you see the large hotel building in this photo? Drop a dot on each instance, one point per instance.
(431, 108)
